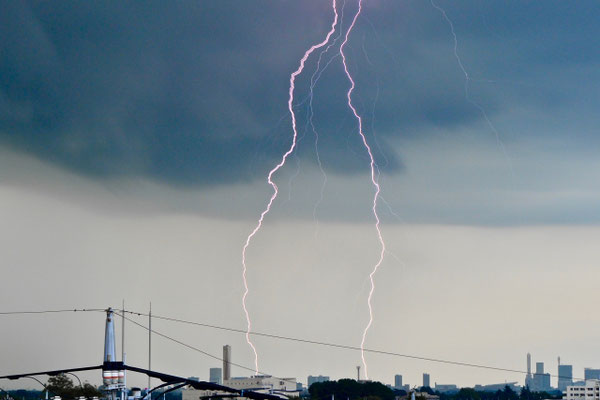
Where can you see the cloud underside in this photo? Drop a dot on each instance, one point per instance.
(196, 94)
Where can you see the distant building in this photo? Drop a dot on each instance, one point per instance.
(528, 377)
(445, 388)
(539, 367)
(426, 380)
(591, 391)
(316, 379)
(541, 380)
(591, 373)
(259, 383)
(215, 375)
(494, 387)
(565, 377)
(397, 381)
(264, 382)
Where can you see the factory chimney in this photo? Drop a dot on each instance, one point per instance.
(226, 362)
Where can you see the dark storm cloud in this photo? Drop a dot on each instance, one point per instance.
(195, 92)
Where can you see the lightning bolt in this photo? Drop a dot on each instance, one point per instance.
(273, 171)
(313, 82)
(468, 81)
(374, 180)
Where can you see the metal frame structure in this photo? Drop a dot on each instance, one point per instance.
(110, 366)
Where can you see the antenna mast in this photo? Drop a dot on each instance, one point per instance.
(149, 343)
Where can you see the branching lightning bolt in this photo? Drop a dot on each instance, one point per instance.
(313, 82)
(467, 81)
(273, 171)
(374, 180)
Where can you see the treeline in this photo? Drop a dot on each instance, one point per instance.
(506, 394)
(61, 385)
(22, 394)
(350, 389)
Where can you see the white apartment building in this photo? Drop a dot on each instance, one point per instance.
(591, 391)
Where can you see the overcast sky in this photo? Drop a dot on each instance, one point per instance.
(135, 141)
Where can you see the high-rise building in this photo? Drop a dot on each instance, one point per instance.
(316, 379)
(226, 362)
(426, 380)
(215, 375)
(528, 377)
(397, 381)
(539, 368)
(541, 381)
(565, 376)
(591, 373)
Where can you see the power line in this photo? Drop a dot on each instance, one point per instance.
(189, 346)
(52, 311)
(273, 336)
(340, 346)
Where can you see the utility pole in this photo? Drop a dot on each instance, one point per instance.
(123, 351)
(149, 344)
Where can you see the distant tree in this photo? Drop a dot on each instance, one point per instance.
(61, 385)
(467, 394)
(528, 394)
(88, 390)
(506, 394)
(426, 389)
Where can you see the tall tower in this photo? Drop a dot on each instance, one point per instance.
(113, 373)
(528, 377)
(109, 337)
(226, 362)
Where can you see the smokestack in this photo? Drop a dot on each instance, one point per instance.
(358, 373)
(109, 337)
(528, 364)
(226, 362)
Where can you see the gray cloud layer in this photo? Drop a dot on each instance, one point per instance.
(195, 93)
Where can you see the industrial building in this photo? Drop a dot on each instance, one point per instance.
(287, 387)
